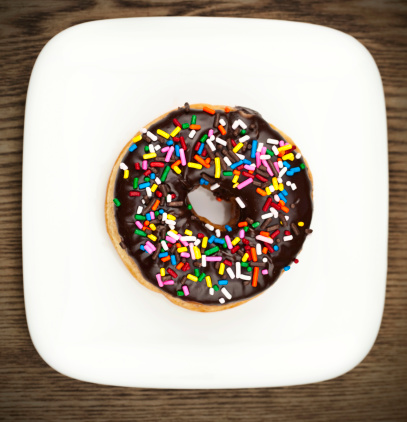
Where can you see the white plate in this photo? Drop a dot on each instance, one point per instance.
(92, 87)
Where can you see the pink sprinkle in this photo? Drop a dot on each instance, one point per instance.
(213, 258)
(152, 215)
(276, 166)
(165, 149)
(266, 164)
(151, 245)
(144, 165)
(257, 159)
(185, 290)
(170, 239)
(183, 241)
(148, 249)
(228, 242)
(168, 282)
(185, 255)
(159, 281)
(191, 249)
(241, 234)
(264, 272)
(210, 132)
(281, 143)
(252, 167)
(277, 198)
(182, 156)
(169, 153)
(245, 183)
(139, 225)
(263, 151)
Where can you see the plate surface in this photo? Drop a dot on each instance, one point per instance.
(92, 87)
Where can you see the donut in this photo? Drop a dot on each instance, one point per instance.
(168, 247)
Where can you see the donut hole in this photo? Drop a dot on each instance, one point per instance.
(208, 208)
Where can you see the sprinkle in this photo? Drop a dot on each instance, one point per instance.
(255, 276)
(221, 300)
(164, 134)
(185, 290)
(192, 134)
(192, 277)
(211, 291)
(230, 272)
(301, 223)
(217, 167)
(149, 155)
(240, 202)
(152, 136)
(195, 166)
(208, 281)
(209, 227)
(221, 141)
(226, 293)
(208, 110)
(264, 238)
(116, 202)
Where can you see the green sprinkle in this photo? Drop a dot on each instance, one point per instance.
(196, 272)
(185, 125)
(146, 179)
(140, 233)
(189, 206)
(243, 132)
(246, 228)
(302, 165)
(140, 217)
(244, 264)
(212, 251)
(255, 224)
(193, 119)
(227, 173)
(225, 245)
(156, 213)
(216, 287)
(204, 138)
(146, 148)
(165, 173)
(270, 153)
(135, 183)
(180, 293)
(201, 277)
(249, 269)
(116, 202)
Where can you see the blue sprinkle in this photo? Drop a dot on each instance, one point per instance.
(222, 282)
(142, 248)
(276, 248)
(284, 192)
(282, 197)
(228, 228)
(289, 173)
(220, 241)
(287, 268)
(201, 148)
(144, 185)
(202, 181)
(133, 147)
(173, 260)
(177, 150)
(152, 176)
(246, 161)
(162, 254)
(253, 151)
(296, 169)
(148, 216)
(211, 239)
(286, 164)
(239, 163)
(161, 211)
(169, 143)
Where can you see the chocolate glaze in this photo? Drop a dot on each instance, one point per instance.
(188, 180)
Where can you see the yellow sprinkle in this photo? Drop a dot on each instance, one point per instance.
(177, 169)
(192, 277)
(204, 242)
(163, 134)
(208, 281)
(268, 191)
(182, 249)
(197, 253)
(237, 147)
(280, 187)
(300, 223)
(154, 187)
(175, 131)
(149, 155)
(188, 232)
(235, 178)
(195, 166)
(245, 257)
(162, 272)
(235, 241)
(217, 167)
(152, 226)
(152, 237)
(285, 147)
(136, 138)
(126, 174)
(222, 268)
(275, 183)
(289, 156)
(174, 231)
(171, 217)
(235, 185)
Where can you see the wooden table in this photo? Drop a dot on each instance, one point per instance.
(30, 390)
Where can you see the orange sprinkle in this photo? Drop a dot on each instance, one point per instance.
(218, 199)
(237, 172)
(242, 224)
(208, 160)
(195, 127)
(285, 209)
(222, 130)
(209, 110)
(227, 109)
(265, 234)
(261, 192)
(146, 223)
(166, 258)
(156, 204)
(254, 254)
(179, 265)
(201, 161)
(255, 276)
(177, 163)
(179, 245)
(265, 250)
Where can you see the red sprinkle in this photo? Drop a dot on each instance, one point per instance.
(261, 178)
(235, 249)
(229, 263)
(172, 272)
(134, 193)
(287, 233)
(271, 250)
(274, 234)
(276, 206)
(245, 241)
(176, 122)
(147, 172)
(296, 261)
(185, 267)
(137, 166)
(155, 164)
(233, 142)
(267, 204)
(158, 193)
(184, 145)
(241, 167)
(175, 139)
(197, 146)
(245, 173)
(200, 235)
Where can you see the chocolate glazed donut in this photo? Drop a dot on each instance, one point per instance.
(241, 158)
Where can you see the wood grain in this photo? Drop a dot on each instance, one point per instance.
(30, 390)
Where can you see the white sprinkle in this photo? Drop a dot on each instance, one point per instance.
(274, 212)
(265, 157)
(172, 234)
(287, 217)
(221, 141)
(192, 134)
(287, 238)
(230, 272)
(258, 249)
(210, 143)
(279, 180)
(203, 260)
(244, 138)
(293, 186)
(164, 245)
(152, 136)
(169, 198)
(274, 149)
(235, 124)
(271, 187)
(277, 198)
(264, 239)
(242, 124)
(209, 227)
(197, 242)
(238, 270)
(217, 233)
(215, 186)
(139, 209)
(241, 156)
(149, 193)
(188, 238)
(280, 164)
(151, 148)
(240, 202)
(288, 183)
(222, 300)
(272, 141)
(157, 181)
(123, 166)
(245, 277)
(282, 172)
(264, 259)
(227, 161)
(211, 291)
(222, 122)
(298, 155)
(143, 130)
(259, 146)
(157, 147)
(212, 138)
(226, 293)
(268, 215)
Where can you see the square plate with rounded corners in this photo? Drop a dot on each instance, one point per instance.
(93, 86)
